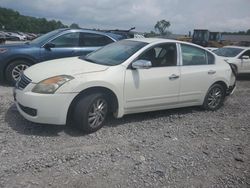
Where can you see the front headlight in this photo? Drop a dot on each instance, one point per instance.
(50, 85)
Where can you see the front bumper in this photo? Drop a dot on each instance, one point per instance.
(231, 89)
(43, 108)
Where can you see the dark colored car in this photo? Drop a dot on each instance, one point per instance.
(2, 37)
(15, 58)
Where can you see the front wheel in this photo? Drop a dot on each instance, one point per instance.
(15, 69)
(214, 98)
(90, 112)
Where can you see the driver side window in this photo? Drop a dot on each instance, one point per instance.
(67, 40)
(161, 55)
(246, 53)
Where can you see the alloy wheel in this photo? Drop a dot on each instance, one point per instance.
(97, 113)
(17, 71)
(214, 97)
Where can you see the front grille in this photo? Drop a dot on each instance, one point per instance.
(23, 82)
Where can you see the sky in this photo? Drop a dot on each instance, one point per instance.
(184, 15)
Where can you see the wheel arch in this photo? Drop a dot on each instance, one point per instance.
(111, 97)
(225, 86)
(221, 82)
(32, 61)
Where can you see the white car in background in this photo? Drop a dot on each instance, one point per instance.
(237, 56)
(212, 49)
(129, 76)
(16, 35)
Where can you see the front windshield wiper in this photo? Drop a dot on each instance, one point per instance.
(92, 61)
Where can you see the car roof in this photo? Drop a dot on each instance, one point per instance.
(161, 40)
(240, 47)
(111, 35)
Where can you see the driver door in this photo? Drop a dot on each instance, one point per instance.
(154, 88)
(245, 63)
(66, 45)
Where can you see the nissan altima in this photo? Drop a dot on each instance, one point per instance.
(129, 76)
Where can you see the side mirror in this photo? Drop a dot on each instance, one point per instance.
(141, 64)
(245, 57)
(49, 45)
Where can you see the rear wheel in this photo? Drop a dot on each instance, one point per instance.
(15, 69)
(215, 97)
(90, 112)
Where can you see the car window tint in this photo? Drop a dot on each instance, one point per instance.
(192, 55)
(91, 39)
(161, 55)
(67, 40)
(210, 58)
(246, 53)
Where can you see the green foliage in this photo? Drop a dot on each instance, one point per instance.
(151, 34)
(74, 26)
(161, 27)
(13, 21)
(238, 33)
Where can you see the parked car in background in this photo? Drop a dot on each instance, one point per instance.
(129, 76)
(2, 37)
(212, 49)
(238, 56)
(10, 37)
(16, 36)
(15, 58)
(126, 33)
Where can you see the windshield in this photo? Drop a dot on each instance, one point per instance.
(45, 37)
(115, 53)
(228, 52)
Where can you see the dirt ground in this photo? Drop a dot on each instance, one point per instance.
(185, 147)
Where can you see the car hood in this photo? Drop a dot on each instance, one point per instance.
(65, 66)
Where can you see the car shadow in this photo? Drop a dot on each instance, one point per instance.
(4, 84)
(243, 77)
(23, 126)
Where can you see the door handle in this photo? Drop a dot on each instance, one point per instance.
(211, 72)
(173, 77)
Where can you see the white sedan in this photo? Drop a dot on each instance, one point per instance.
(129, 76)
(237, 56)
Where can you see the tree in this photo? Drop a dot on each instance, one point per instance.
(13, 21)
(161, 27)
(151, 34)
(74, 26)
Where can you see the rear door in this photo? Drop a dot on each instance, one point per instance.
(197, 73)
(90, 42)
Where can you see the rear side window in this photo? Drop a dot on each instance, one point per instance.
(91, 39)
(210, 58)
(67, 40)
(192, 55)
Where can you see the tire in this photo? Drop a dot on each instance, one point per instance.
(214, 98)
(87, 116)
(14, 69)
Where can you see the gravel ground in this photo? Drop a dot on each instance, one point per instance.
(173, 148)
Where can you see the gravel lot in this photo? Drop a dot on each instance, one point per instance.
(174, 148)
